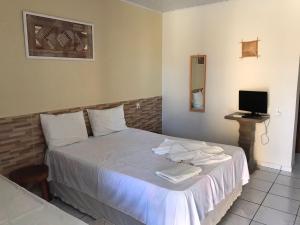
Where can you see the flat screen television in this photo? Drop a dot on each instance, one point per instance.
(255, 102)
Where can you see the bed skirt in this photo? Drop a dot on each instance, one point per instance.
(99, 210)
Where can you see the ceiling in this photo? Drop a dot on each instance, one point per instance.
(169, 5)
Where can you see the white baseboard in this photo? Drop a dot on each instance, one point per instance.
(286, 168)
(270, 165)
(275, 166)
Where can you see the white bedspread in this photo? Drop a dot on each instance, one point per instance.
(19, 207)
(119, 170)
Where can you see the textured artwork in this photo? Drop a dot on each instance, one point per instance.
(250, 48)
(51, 37)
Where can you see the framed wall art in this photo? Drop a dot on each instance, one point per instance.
(250, 48)
(48, 37)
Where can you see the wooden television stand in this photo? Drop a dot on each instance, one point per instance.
(247, 135)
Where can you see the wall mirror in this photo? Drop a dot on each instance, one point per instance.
(197, 83)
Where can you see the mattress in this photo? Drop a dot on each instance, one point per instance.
(20, 207)
(119, 171)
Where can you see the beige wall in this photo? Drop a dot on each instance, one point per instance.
(127, 65)
(216, 30)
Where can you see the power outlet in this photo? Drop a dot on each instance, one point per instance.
(278, 112)
(138, 105)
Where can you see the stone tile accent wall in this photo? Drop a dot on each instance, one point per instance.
(22, 142)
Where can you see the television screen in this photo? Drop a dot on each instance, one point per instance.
(253, 101)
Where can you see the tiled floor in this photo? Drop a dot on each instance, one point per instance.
(272, 197)
(77, 214)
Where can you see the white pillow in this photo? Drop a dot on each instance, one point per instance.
(107, 121)
(63, 129)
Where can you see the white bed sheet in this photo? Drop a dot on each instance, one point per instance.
(119, 170)
(19, 207)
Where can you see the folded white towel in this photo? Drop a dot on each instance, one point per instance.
(208, 159)
(179, 173)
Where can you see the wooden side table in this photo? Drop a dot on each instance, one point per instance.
(247, 135)
(32, 175)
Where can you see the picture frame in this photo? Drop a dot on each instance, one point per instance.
(250, 48)
(49, 37)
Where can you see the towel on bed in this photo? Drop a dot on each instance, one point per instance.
(209, 159)
(182, 156)
(171, 149)
(173, 146)
(179, 173)
(196, 153)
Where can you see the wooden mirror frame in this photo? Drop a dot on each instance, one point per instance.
(204, 88)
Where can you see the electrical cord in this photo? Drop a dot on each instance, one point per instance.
(264, 138)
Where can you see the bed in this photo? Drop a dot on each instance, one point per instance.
(113, 176)
(20, 207)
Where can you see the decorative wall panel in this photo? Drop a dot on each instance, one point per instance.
(52, 37)
(22, 142)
